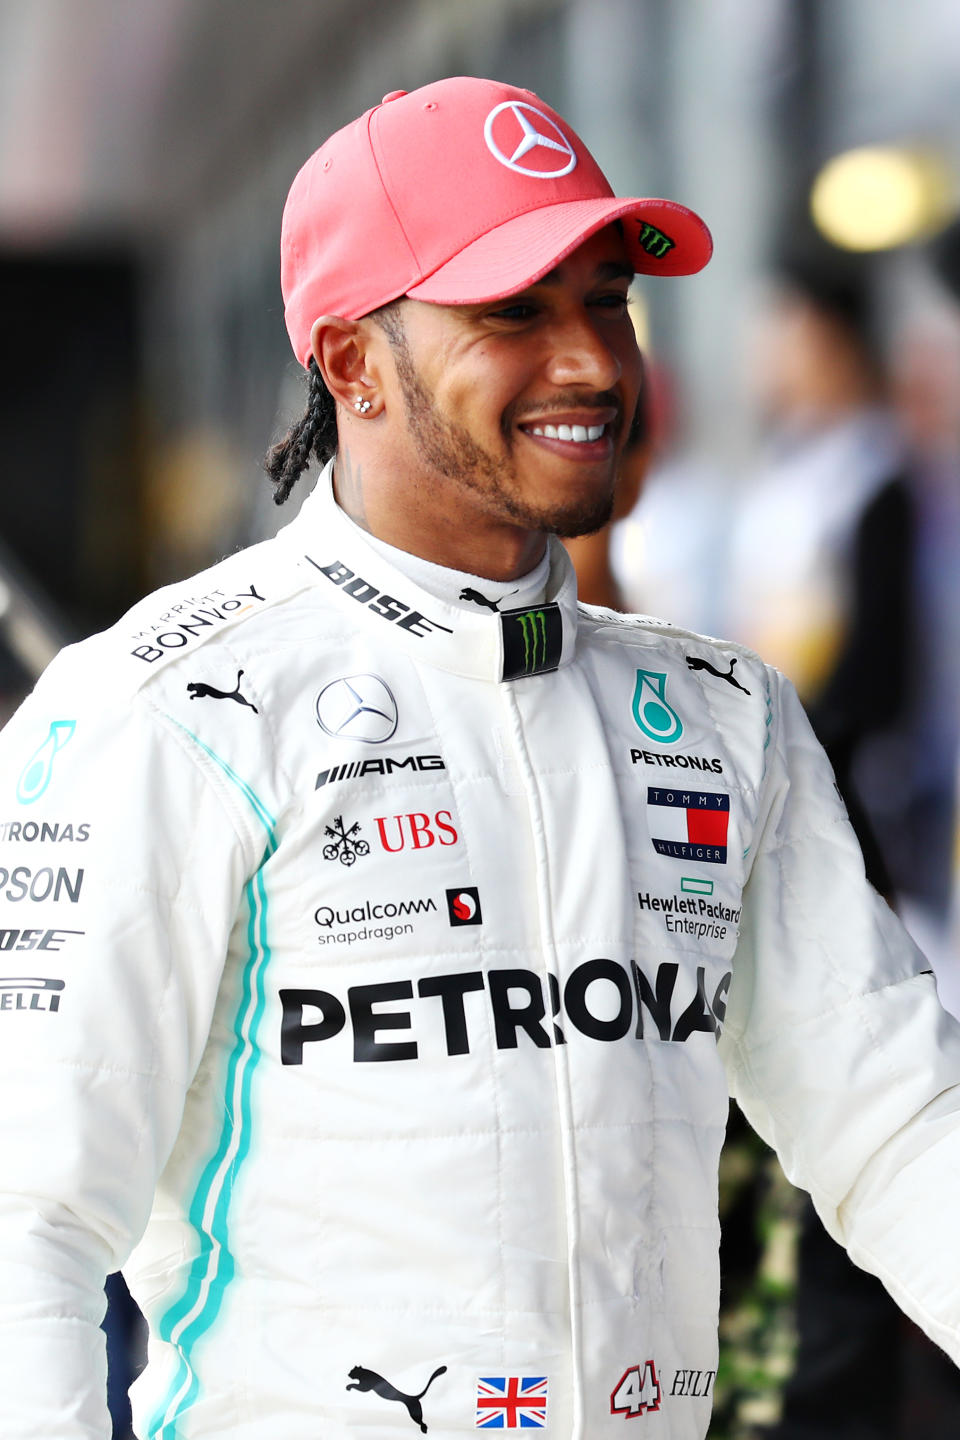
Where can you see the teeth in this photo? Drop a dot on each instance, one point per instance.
(580, 434)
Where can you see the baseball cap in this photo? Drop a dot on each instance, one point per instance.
(463, 191)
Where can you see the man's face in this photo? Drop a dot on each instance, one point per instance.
(516, 410)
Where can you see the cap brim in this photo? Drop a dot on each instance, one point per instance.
(662, 238)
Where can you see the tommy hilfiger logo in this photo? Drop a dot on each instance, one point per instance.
(689, 825)
(532, 640)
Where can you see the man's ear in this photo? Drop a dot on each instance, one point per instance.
(341, 349)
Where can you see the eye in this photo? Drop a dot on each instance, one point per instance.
(614, 300)
(519, 310)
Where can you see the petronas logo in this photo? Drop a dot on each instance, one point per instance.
(651, 711)
(532, 640)
(35, 775)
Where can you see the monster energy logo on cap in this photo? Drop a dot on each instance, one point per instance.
(654, 241)
(532, 640)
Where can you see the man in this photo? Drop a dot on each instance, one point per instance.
(591, 553)
(373, 913)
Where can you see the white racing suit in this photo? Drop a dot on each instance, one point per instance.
(373, 971)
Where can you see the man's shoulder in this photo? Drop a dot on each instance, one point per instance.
(218, 607)
(726, 680)
(185, 616)
(612, 627)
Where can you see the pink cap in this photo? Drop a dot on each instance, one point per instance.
(463, 191)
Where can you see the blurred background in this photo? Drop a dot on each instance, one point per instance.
(799, 484)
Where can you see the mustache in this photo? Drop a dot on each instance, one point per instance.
(571, 400)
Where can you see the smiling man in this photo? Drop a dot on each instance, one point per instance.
(381, 1023)
(498, 423)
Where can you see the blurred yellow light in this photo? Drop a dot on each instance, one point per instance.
(639, 312)
(877, 197)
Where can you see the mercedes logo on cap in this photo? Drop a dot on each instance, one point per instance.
(357, 707)
(525, 140)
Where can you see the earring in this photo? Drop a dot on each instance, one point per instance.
(361, 405)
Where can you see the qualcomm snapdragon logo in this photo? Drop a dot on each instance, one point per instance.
(653, 714)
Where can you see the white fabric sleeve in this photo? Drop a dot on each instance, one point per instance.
(836, 1045)
(121, 872)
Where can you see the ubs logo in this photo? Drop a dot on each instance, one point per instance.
(344, 843)
(419, 831)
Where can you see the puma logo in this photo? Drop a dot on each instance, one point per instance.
(467, 593)
(369, 1380)
(695, 663)
(198, 689)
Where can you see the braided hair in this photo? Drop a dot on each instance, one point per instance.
(316, 431)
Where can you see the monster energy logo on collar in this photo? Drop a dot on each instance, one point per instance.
(532, 640)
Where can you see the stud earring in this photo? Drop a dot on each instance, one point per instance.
(361, 405)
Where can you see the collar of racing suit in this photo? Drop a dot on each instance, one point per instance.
(453, 585)
(455, 634)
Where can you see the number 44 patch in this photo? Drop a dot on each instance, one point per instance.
(636, 1392)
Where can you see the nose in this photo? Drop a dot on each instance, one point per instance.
(582, 354)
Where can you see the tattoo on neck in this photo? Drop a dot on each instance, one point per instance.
(348, 488)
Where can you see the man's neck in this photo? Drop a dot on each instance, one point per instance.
(511, 553)
(454, 585)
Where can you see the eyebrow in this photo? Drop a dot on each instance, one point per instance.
(608, 270)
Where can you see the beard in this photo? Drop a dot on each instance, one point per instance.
(452, 451)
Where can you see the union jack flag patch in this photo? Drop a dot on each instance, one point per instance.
(512, 1402)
